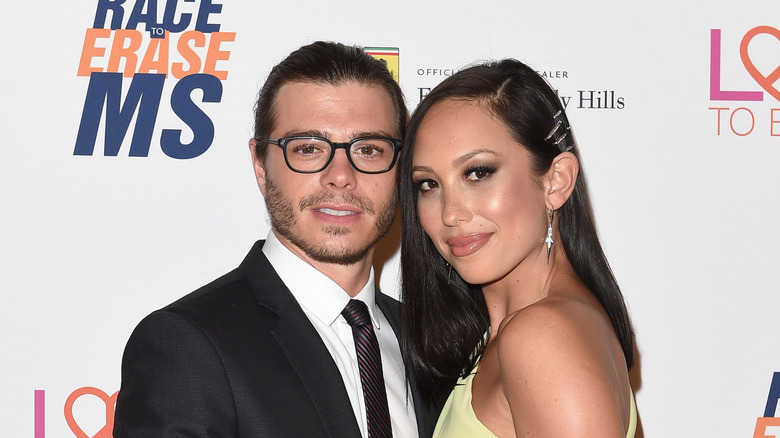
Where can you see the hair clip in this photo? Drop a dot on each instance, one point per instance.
(559, 137)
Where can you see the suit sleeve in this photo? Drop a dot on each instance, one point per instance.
(173, 383)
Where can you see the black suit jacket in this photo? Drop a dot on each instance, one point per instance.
(238, 358)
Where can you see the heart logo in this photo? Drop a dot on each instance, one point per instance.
(766, 82)
(110, 401)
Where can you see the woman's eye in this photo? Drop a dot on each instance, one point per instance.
(426, 185)
(479, 173)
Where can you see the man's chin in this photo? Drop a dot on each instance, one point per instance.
(335, 231)
(339, 256)
(336, 245)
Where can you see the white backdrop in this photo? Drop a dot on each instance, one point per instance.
(683, 183)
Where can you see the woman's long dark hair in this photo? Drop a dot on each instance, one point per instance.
(444, 317)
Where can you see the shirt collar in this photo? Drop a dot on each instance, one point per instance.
(313, 290)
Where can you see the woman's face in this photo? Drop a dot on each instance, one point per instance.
(477, 198)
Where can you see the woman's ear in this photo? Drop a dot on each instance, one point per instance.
(561, 179)
(258, 164)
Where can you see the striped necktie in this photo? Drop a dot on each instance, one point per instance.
(370, 364)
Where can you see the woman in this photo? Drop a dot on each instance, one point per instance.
(505, 286)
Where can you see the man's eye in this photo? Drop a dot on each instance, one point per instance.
(306, 149)
(369, 150)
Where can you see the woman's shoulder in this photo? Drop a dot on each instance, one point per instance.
(563, 321)
(558, 357)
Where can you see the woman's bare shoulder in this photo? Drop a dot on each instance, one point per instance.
(557, 361)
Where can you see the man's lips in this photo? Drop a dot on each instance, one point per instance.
(336, 213)
(333, 212)
(468, 244)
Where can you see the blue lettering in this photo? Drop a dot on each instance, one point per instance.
(206, 8)
(774, 396)
(145, 11)
(170, 12)
(117, 12)
(106, 89)
(139, 16)
(202, 127)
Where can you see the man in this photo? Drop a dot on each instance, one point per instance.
(265, 350)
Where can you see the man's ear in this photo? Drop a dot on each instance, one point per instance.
(258, 164)
(561, 179)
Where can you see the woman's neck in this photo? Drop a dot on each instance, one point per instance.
(530, 282)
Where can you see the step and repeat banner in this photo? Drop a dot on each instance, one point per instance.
(126, 179)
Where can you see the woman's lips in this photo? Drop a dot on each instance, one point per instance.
(468, 244)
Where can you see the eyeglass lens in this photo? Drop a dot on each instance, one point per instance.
(313, 154)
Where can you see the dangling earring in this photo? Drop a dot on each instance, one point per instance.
(549, 240)
(449, 273)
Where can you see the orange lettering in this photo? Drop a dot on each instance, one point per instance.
(189, 55)
(90, 51)
(767, 82)
(159, 47)
(762, 423)
(109, 400)
(215, 54)
(716, 109)
(119, 51)
(752, 122)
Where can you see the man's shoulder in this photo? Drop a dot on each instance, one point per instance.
(223, 291)
(223, 303)
(233, 294)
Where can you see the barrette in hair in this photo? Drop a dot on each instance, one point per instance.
(559, 137)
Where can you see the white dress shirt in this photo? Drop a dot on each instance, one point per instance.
(322, 300)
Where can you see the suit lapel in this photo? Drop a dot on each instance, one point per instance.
(318, 372)
(303, 347)
(426, 417)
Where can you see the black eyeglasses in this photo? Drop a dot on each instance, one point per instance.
(314, 154)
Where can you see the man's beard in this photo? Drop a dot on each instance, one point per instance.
(283, 220)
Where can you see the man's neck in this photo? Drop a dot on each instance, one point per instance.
(352, 278)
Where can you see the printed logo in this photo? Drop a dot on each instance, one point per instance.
(129, 70)
(436, 71)
(388, 55)
(581, 99)
(88, 394)
(770, 418)
(746, 119)
(109, 401)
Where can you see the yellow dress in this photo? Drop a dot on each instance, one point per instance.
(458, 420)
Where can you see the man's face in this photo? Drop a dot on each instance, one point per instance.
(338, 214)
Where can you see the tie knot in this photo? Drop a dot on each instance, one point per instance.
(356, 313)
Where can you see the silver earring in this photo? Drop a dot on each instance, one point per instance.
(549, 240)
(449, 273)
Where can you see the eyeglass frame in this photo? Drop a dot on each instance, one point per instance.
(282, 143)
